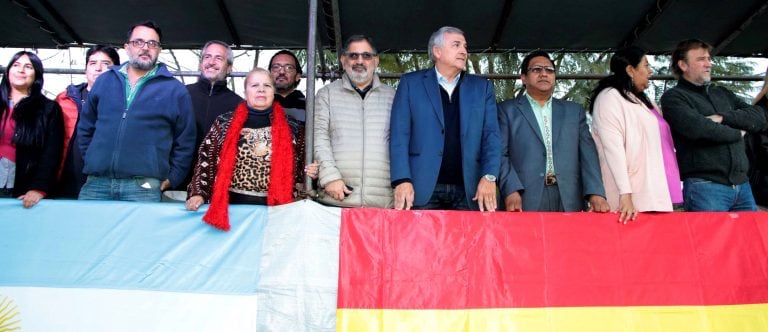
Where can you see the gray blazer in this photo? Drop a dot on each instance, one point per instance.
(523, 154)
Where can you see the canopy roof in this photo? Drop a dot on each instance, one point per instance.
(733, 27)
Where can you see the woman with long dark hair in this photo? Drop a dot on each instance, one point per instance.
(634, 143)
(31, 132)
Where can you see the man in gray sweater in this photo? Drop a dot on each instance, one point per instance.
(708, 126)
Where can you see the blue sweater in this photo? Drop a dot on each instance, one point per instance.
(154, 137)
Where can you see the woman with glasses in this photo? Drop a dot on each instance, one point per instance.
(634, 143)
(249, 156)
(31, 132)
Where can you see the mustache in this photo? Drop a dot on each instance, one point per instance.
(359, 67)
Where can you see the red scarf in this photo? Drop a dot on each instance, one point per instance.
(280, 189)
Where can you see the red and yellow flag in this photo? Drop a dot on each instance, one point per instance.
(471, 271)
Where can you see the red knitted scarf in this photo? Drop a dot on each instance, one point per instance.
(280, 189)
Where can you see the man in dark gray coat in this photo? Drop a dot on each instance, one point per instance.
(708, 126)
(548, 158)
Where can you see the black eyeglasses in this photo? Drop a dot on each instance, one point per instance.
(287, 67)
(139, 43)
(540, 69)
(355, 56)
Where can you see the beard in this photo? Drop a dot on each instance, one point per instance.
(284, 85)
(220, 76)
(358, 76)
(137, 63)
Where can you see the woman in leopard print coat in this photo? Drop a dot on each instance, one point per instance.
(250, 156)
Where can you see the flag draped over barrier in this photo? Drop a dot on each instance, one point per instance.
(468, 271)
(117, 266)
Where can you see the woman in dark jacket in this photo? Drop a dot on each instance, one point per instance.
(31, 132)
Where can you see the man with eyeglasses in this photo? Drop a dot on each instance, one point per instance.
(352, 131)
(548, 158)
(444, 140)
(137, 130)
(210, 95)
(286, 72)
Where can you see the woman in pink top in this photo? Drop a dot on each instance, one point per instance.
(634, 143)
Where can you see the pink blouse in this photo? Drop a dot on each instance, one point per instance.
(7, 149)
(670, 161)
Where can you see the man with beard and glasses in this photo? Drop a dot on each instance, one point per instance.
(548, 157)
(708, 125)
(137, 130)
(352, 131)
(210, 95)
(444, 142)
(286, 71)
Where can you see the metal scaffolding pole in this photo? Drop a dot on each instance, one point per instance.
(309, 131)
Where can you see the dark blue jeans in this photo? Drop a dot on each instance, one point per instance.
(137, 189)
(704, 195)
(446, 197)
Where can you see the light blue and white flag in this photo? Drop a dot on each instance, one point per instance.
(118, 266)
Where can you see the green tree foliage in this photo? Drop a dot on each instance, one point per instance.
(508, 64)
(721, 66)
(579, 63)
(576, 90)
(402, 63)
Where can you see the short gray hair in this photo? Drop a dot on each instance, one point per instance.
(230, 55)
(437, 38)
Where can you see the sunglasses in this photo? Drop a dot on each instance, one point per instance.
(355, 56)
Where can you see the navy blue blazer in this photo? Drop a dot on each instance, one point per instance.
(524, 156)
(417, 132)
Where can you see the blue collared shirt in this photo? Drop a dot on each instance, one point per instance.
(448, 86)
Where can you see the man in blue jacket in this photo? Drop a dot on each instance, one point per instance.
(444, 133)
(137, 130)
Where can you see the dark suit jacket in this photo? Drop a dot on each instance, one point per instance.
(523, 154)
(417, 130)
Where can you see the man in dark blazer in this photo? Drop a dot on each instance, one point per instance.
(548, 158)
(444, 133)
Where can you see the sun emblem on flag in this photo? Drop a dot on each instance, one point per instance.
(9, 315)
